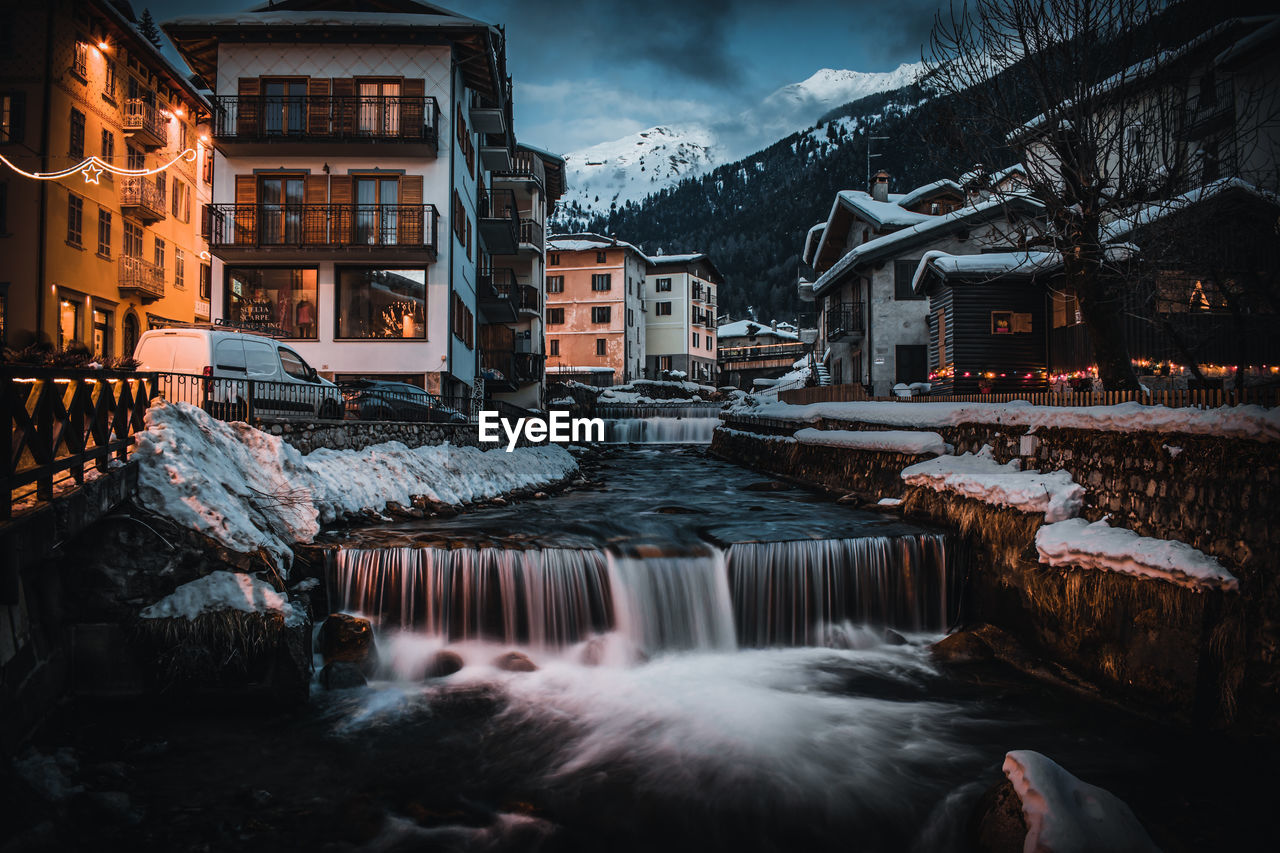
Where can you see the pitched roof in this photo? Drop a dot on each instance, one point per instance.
(1142, 215)
(932, 227)
(1021, 264)
(739, 329)
(587, 242)
(927, 191)
(881, 214)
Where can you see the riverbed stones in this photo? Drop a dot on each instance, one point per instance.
(341, 675)
(766, 486)
(997, 824)
(443, 664)
(515, 662)
(348, 639)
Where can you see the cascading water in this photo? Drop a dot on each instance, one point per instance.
(755, 594)
(795, 593)
(671, 423)
(543, 598)
(667, 601)
(660, 430)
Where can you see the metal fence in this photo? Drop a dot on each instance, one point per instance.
(391, 118)
(1175, 399)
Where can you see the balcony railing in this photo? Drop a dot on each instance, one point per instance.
(141, 277)
(843, 319)
(324, 226)
(1212, 109)
(763, 352)
(145, 196)
(501, 281)
(525, 166)
(530, 298)
(531, 233)
(272, 118)
(499, 221)
(143, 118)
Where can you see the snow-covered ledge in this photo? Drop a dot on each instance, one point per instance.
(980, 477)
(1076, 542)
(910, 442)
(250, 491)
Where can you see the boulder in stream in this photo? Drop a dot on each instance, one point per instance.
(443, 664)
(348, 639)
(515, 662)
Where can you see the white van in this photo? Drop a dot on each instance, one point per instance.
(211, 368)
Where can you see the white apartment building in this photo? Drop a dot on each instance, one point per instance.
(354, 201)
(680, 316)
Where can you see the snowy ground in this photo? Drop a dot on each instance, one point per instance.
(1252, 422)
(249, 490)
(224, 591)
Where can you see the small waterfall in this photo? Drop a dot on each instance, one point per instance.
(543, 598)
(659, 430)
(754, 594)
(672, 601)
(681, 409)
(793, 593)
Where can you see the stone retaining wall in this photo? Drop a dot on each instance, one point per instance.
(1220, 495)
(357, 435)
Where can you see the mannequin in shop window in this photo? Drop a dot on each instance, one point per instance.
(305, 316)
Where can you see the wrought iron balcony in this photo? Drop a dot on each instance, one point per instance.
(785, 353)
(844, 320)
(530, 298)
(141, 278)
(242, 123)
(142, 197)
(499, 221)
(1213, 109)
(145, 122)
(497, 294)
(390, 230)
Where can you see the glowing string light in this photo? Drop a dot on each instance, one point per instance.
(92, 168)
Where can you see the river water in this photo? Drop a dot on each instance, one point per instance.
(722, 664)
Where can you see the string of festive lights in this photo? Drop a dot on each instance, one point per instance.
(93, 166)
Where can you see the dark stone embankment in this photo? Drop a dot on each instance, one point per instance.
(1203, 656)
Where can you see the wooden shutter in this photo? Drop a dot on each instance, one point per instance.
(246, 210)
(344, 106)
(342, 220)
(413, 107)
(318, 106)
(248, 106)
(411, 219)
(315, 219)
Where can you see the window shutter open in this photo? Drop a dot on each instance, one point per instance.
(344, 106)
(341, 218)
(315, 222)
(411, 218)
(246, 210)
(247, 106)
(413, 107)
(318, 106)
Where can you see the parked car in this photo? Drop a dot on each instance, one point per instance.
(211, 368)
(378, 400)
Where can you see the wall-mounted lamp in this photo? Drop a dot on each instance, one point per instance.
(326, 168)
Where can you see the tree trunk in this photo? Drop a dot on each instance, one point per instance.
(1100, 309)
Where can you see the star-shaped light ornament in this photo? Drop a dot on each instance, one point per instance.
(91, 173)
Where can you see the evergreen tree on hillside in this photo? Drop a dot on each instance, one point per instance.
(147, 26)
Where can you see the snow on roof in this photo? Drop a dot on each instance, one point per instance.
(1116, 549)
(686, 258)
(919, 194)
(1064, 814)
(993, 265)
(912, 442)
(267, 16)
(980, 477)
(738, 329)
(1249, 43)
(541, 152)
(141, 43)
(879, 213)
(880, 246)
(587, 243)
(811, 239)
(1247, 422)
(1142, 215)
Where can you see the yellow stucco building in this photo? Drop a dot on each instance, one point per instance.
(97, 263)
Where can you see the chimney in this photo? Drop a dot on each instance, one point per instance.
(880, 186)
(773, 324)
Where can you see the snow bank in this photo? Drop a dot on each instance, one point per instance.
(223, 591)
(980, 477)
(1076, 542)
(1252, 422)
(1065, 815)
(249, 490)
(891, 441)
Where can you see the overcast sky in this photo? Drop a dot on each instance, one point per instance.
(587, 71)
